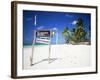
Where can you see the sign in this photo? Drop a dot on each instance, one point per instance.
(43, 33)
(43, 36)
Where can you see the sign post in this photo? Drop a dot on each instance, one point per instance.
(41, 37)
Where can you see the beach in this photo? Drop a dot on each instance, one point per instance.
(61, 56)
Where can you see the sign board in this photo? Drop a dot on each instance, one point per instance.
(42, 36)
(43, 33)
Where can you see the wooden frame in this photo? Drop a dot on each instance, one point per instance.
(14, 31)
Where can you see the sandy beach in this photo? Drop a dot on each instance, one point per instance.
(61, 56)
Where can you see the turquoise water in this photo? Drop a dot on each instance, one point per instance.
(40, 44)
(36, 44)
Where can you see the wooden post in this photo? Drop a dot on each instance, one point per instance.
(34, 33)
(49, 48)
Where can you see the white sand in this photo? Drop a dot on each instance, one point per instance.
(64, 56)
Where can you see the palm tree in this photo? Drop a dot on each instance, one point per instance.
(66, 35)
(78, 34)
(79, 30)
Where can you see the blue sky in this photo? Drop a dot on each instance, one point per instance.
(50, 20)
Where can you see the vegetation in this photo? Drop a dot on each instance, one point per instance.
(78, 33)
(66, 34)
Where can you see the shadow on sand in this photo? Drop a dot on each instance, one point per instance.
(49, 61)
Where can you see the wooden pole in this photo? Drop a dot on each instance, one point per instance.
(49, 48)
(34, 33)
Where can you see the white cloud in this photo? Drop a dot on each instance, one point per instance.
(55, 28)
(69, 15)
(28, 19)
(74, 22)
(40, 27)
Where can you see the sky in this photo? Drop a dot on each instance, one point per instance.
(38, 20)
